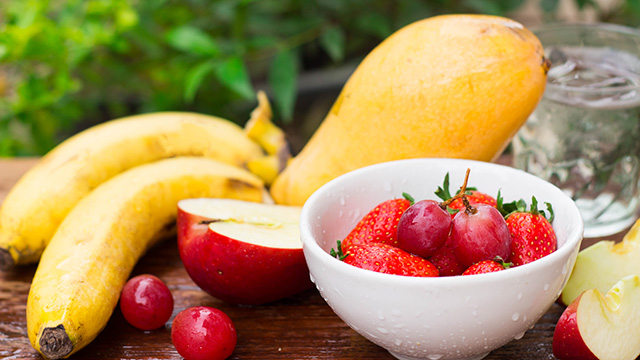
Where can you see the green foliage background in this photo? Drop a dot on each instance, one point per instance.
(66, 65)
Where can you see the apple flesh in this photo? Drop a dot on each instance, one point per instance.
(602, 264)
(601, 327)
(242, 252)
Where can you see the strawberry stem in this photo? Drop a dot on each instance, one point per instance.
(338, 254)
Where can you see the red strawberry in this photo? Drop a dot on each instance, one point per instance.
(532, 235)
(445, 260)
(485, 266)
(474, 197)
(379, 225)
(388, 259)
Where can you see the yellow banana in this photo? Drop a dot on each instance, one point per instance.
(41, 199)
(273, 140)
(83, 269)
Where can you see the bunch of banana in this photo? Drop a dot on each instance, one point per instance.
(90, 208)
(83, 269)
(42, 198)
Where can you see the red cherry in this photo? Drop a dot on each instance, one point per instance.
(480, 235)
(146, 302)
(203, 333)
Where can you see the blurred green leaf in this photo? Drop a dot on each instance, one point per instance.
(485, 7)
(549, 5)
(67, 64)
(192, 40)
(585, 3)
(194, 79)
(233, 74)
(333, 41)
(375, 24)
(283, 75)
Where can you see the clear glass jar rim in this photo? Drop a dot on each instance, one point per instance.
(613, 28)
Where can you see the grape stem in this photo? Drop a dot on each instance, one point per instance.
(468, 208)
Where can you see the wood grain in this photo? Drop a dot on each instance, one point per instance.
(300, 327)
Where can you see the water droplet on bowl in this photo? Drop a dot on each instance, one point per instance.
(434, 356)
(398, 342)
(383, 330)
(519, 336)
(520, 296)
(515, 317)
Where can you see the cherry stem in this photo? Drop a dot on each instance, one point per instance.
(463, 189)
(461, 195)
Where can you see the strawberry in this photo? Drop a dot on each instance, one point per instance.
(388, 259)
(379, 225)
(532, 235)
(445, 260)
(474, 197)
(486, 266)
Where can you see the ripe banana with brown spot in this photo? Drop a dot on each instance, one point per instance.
(37, 204)
(83, 269)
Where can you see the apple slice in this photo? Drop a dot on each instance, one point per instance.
(602, 264)
(601, 327)
(242, 252)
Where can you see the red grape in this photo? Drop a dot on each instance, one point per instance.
(203, 333)
(423, 228)
(480, 233)
(146, 302)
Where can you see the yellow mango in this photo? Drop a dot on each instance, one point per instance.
(454, 86)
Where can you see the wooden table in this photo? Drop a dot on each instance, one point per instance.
(300, 327)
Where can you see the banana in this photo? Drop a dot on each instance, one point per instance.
(37, 204)
(271, 138)
(83, 269)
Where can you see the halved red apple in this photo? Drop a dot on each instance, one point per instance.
(242, 252)
(604, 263)
(601, 327)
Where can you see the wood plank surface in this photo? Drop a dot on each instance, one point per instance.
(300, 327)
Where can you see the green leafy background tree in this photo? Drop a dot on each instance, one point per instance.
(69, 64)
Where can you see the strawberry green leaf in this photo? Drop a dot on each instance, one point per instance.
(338, 254)
(409, 197)
(534, 206)
(443, 192)
(551, 213)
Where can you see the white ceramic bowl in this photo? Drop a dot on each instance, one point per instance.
(461, 317)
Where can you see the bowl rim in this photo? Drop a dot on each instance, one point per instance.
(312, 248)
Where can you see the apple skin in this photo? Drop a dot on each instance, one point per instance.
(602, 264)
(235, 271)
(601, 326)
(567, 342)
